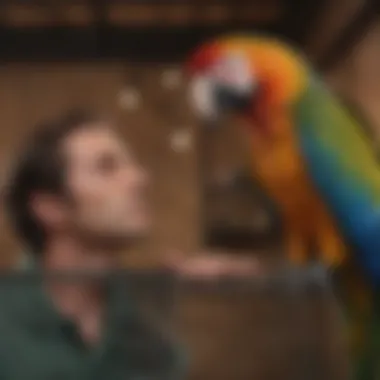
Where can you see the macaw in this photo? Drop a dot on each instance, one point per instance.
(312, 158)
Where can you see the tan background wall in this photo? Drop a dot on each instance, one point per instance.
(246, 327)
(229, 338)
(29, 94)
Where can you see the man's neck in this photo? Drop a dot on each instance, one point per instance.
(67, 254)
(82, 304)
(80, 299)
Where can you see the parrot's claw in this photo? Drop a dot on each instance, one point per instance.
(313, 274)
(289, 277)
(319, 273)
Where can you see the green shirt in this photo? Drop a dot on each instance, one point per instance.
(37, 343)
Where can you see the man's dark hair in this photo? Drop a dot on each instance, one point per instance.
(41, 168)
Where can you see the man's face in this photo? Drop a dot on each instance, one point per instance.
(107, 185)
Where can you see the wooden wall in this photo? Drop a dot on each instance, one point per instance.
(31, 93)
(243, 342)
(83, 13)
(356, 77)
(229, 337)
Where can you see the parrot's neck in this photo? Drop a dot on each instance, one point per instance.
(258, 120)
(261, 109)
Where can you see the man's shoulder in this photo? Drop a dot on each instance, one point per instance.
(10, 322)
(18, 290)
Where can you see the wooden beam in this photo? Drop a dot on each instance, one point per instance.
(299, 20)
(129, 14)
(137, 44)
(125, 14)
(354, 31)
(32, 15)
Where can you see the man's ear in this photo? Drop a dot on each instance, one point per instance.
(49, 209)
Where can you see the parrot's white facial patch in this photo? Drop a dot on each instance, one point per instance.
(202, 98)
(233, 71)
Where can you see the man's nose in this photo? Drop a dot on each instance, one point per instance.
(139, 176)
(144, 176)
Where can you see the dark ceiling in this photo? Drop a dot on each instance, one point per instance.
(141, 30)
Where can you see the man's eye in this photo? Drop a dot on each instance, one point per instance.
(107, 164)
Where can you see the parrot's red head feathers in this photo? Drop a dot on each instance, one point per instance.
(203, 58)
(251, 78)
(221, 80)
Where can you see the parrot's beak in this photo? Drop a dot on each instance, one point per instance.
(235, 101)
(212, 101)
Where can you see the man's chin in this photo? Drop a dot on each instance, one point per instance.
(133, 235)
(141, 229)
(116, 242)
(119, 238)
(138, 236)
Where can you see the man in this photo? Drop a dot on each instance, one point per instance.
(76, 199)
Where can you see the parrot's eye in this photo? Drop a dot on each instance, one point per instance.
(235, 84)
(227, 87)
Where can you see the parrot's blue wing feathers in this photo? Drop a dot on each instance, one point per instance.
(355, 213)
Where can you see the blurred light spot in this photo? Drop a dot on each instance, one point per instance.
(181, 140)
(129, 98)
(171, 79)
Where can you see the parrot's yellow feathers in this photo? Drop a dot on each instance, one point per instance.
(277, 64)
